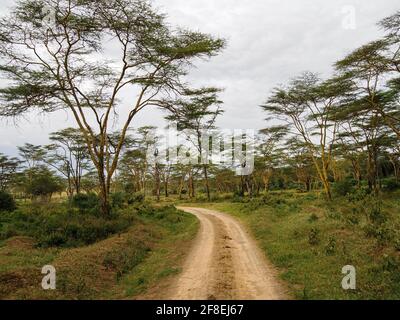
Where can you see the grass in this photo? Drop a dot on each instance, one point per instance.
(121, 266)
(310, 240)
(59, 224)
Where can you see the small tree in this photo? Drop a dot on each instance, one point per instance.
(44, 184)
(8, 168)
(368, 68)
(197, 114)
(269, 153)
(7, 202)
(309, 106)
(68, 155)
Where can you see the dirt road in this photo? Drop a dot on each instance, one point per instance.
(224, 263)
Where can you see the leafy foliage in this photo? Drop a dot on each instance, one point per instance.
(7, 202)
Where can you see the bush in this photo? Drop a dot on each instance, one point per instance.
(61, 226)
(118, 200)
(344, 188)
(126, 260)
(7, 202)
(397, 243)
(137, 197)
(201, 197)
(44, 183)
(86, 202)
(358, 194)
(353, 217)
(330, 248)
(313, 217)
(78, 230)
(313, 237)
(376, 215)
(382, 233)
(391, 184)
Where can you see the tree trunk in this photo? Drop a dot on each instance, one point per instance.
(372, 169)
(206, 182)
(104, 202)
(182, 181)
(323, 175)
(356, 172)
(104, 194)
(395, 169)
(166, 188)
(191, 185)
(158, 184)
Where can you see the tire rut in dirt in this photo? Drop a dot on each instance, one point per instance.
(223, 286)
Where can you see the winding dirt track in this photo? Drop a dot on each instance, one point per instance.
(224, 263)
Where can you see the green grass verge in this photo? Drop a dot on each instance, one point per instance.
(310, 241)
(122, 266)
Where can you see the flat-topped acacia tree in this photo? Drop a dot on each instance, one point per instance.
(80, 54)
(197, 112)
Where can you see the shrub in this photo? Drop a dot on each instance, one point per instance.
(358, 194)
(125, 260)
(61, 226)
(391, 264)
(330, 248)
(44, 183)
(353, 218)
(237, 199)
(137, 197)
(397, 242)
(376, 215)
(78, 230)
(313, 237)
(200, 197)
(391, 184)
(7, 202)
(344, 187)
(382, 233)
(310, 197)
(88, 202)
(118, 200)
(313, 217)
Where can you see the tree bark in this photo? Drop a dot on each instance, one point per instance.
(207, 185)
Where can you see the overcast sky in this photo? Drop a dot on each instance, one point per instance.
(269, 42)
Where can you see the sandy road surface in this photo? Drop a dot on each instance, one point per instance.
(224, 263)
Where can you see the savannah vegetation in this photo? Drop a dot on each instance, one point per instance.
(324, 192)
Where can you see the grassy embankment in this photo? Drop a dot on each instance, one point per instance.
(310, 240)
(117, 258)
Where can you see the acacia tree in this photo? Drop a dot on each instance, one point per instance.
(268, 150)
(8, 168)
(69, 156)
(64, 63)
(350, 148)
(309, 106)
(166, 169)
(391, 25)
(197, 114)
(367, 68)
(31, 155)
(297, 156)
(133, 170)
(44, 184)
